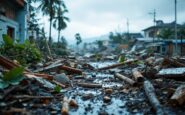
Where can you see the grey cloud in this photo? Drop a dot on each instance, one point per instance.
(108, 14)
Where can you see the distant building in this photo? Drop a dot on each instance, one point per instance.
(13, 19)
(165, 47)
(133, 35)
(153, 31)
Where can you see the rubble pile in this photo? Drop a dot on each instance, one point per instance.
(140, 84)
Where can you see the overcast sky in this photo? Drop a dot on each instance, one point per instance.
(93, 18)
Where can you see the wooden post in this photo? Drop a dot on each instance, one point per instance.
(65, 106)
(150, 92)
(137, 75)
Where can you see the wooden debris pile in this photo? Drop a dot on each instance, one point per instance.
(154, 83)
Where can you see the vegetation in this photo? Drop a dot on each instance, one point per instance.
(100, 45)
(13, 77)
(60, 21)
(33, 25)
(51, 8)
(168, 33)
(117, 38)
(60, 48)
(24, 53)
(78, 39)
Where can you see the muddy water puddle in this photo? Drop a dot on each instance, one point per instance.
(94, 101)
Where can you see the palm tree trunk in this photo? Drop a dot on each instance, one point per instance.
(48, 48)
(58, 36)
(50, 31)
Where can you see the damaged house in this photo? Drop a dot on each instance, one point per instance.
(165, 46)
(13, 19)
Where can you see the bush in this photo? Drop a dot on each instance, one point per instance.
(24, 53)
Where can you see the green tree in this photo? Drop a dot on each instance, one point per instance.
(181, 31)
(166, 33)
(60, 21)
(115, 38)
(33, 25)
(100, 43)
(63, 42)
(78, 39)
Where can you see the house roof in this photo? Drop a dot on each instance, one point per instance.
(163, 25)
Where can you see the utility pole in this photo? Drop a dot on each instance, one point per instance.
(128, 28)
(154, 20)
(176, 27)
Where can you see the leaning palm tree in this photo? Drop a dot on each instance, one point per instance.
(49, 8)
(60, 21)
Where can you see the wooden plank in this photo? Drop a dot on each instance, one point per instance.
(60, 66)
(90, 85)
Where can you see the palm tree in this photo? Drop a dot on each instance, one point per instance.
(60, 21)
(49, 8)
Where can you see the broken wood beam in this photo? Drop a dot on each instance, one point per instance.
(172, 62)
(9, 64)
(150, 92)
(6, 63)
(179, 96)
(117, 65)
(70, 69)
(90, 85)
(65, 106)
(137, 75)
(126, 79)
(60, 66)
(35, 75)
(45, 76)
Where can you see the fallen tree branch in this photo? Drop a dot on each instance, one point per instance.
(126, 79)
(90, 85)
(150, 92)
(117, 65)
(179, 96)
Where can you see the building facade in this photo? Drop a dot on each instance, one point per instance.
(153, 31)
(13, 19)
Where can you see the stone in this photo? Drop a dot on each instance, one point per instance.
(106, 99)
(62, 78)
